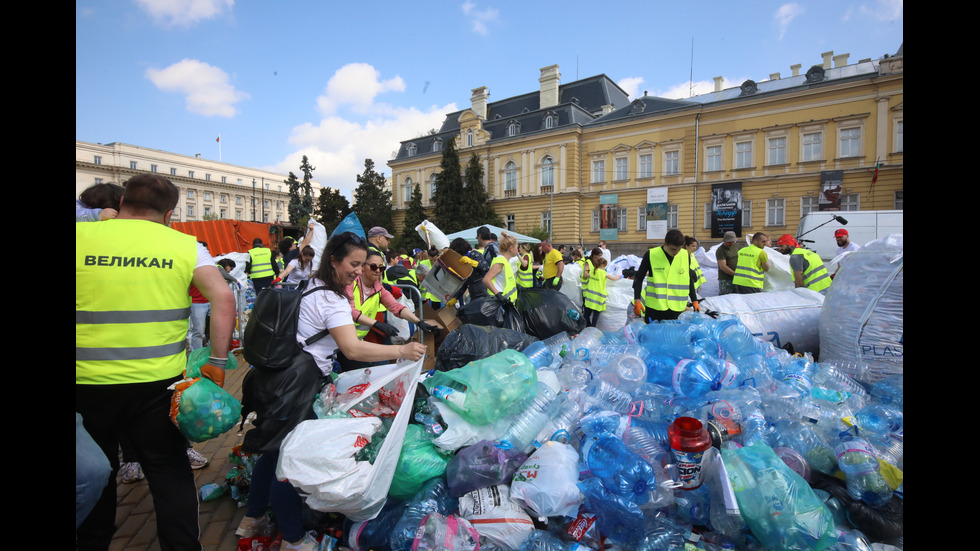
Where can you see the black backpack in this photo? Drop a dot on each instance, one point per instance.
(270, 334)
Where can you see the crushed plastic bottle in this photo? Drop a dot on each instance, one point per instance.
(856, 457)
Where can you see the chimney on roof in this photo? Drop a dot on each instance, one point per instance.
(841, 60)
(827, 56)
(773, 76)
(796, 69)
(479, 101)
(718, 83)
(549, 79)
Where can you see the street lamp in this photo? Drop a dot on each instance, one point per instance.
(253, 199)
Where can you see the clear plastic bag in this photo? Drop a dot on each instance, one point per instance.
(546, 483)
(485, 389)
(446, 533)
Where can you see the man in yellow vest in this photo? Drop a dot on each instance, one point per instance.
(808, 269)
(259, 266)
(753, 263)
(669, 281)
(132, 306)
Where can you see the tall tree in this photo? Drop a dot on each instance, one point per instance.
(410, 239)
(306, 203)
(475, 205)
(372, 199)
(448, 195)
(295, 209)
(331, 208)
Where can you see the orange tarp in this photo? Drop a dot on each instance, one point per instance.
(227, 236)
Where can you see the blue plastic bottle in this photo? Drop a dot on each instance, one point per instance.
(889, 390)
(532, 416)
(879, 419)
(856, 457)
(694, 378)
(539, 354)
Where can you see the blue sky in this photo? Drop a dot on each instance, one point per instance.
(344, 81)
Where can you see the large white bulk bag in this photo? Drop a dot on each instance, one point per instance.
(779, 317)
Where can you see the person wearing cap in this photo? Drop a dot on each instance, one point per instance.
(727, 258)
(844, 243)
(753, 263)
(378, 240)
(808, 269)
(259, 265)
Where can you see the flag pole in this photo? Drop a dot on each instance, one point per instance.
(219, 147)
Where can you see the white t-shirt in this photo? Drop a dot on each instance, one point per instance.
(851, 246)
(321, 310)
(298, 274)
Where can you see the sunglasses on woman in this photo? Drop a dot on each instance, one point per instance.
(375, 267)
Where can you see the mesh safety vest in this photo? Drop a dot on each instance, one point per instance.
(816, 277)
(261, 259)
(525, 276)
(747, 272)
(594, 294)
(131, 301)
(699, 281)
(368, 308)
(504, 281)
(669, 283)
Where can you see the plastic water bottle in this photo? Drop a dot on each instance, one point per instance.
(564, 419)
(620, 470)
(799, 375)
(605, 394)
(857, 459)
(574, 375)
(539, 354)
(532, 416)
(451, 396)
(618, 519)
(630, 371)
(828, 376)
(879, 419)
(755, 429)
(889, 390)
(583, 344)
(738, 341)
(642, 442)
(604, 354)
(802, 438)
(688, 441)
(653, 398)
(689, 378)
(558, 343)
(678, 340)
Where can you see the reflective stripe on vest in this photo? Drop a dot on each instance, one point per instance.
(747, 272)
(261, 259)
(816, 278)
(699, 281)
(594, 294)
(370, 308)
(509, 287)
(131, 301)
(581, 264)
(525, 276)
(669, 283)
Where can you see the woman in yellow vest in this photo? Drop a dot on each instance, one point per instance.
(594, 294)
(500, 280)
(525, 272)
(692, 244)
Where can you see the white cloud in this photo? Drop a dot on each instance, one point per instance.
(631, 85)
(785, 15)
(884, 10)
(685, 90)
(206, 88)
(480, 18)
(355, 127)
(183, 13)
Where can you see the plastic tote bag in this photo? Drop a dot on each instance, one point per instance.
(318, 456)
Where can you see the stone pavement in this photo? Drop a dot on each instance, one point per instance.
(218, 519)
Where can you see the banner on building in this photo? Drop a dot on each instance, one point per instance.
(831, 187)
(726, 209)
(609, 217)
(656, 212)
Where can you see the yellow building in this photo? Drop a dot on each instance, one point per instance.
(604, 167)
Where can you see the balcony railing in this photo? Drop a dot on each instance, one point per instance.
(547, 189)
(510, 193)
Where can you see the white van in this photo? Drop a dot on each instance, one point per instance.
(816, 229)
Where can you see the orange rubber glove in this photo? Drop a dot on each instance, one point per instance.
(215, 370)
(638, 308)
(696, 305)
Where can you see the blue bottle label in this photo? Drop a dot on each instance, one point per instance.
(689, 468)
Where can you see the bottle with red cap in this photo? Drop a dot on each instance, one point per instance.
(689, 439)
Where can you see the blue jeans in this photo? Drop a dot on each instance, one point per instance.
(265, 491)
(92, 471)
(195, 329)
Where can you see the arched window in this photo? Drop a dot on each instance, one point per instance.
(549, 121)
(469, 138)
(547, 172)
(510, 178)
(432, 188)
(407, 191)
(437, 144)
(412, 149)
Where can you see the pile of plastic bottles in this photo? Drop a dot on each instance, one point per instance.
(692, 434)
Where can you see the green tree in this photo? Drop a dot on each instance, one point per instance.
(331, 209)
(306, 204)
(295, 209)
(372, 200)
(448, 194)
(410, 239)
(539, 232)
(475, 205)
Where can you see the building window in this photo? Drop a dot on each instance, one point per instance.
(812, 146)
(207, 195)
(97, 160)
(223, 213)
(190, 210)
(98, 180)
(549, 122)
(850, 201)
(850, 142)
(153, 168)
(238, 200)
(469, 138)
(598, 171)
(899, 200)
(712, 162)
(224, 198)
(746, 214)
(173, 171)
(809, 204)
(899, 136)
(432, 188)
(646, 165)
(513, 128)
(776, 211)
(511, 223)
(547, 175)
(777, 151)
(190, 194)
(621, 168)
(673, 215)
(224, 179)
(743, 154)
(407, 190)
(412, 149)
(510, 179)
(238, 214)
(132, 165)
(624, 218)
(239, 181)
(595, 220)
(546, 221)
(672, 163)
(641, 218)
(207, 177)
(207, 211)
(437, 144)
(706, 216)
(190, 173)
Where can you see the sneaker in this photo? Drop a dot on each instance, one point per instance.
(197, 460)
(308, 543)
(131, 472)
(250, 527)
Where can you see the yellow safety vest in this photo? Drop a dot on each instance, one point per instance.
(525, 276)
(509, 288)
(261, 259)
(747, 272)
(669, 283)
(816, 278)
(594, 293)
(583, 278)
(697, 272)
(131, 301)
(369, 308)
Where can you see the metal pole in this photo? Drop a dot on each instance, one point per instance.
(253, 199)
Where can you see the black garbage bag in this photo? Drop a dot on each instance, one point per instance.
(879, 524)
(547, 312)
(487, 311)
(475, 342)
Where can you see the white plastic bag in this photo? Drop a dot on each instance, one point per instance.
(460, 432)
(496, 517)
(779, 317)
(318, 456)
(432, 235)
(546, 484)
(318, 242)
